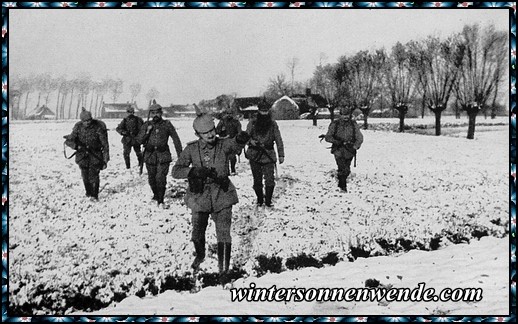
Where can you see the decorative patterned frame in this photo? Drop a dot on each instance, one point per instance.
(512, 168)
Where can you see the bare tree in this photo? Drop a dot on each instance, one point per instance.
(360, 80)
(277, 87)
(436, 65)
(482, 71)
(26, 86)
(115, 88)
(399, 80)
(153, 93)
(292, 64)
(135, 89)
(83, 85)
(323, 82)
(43, 84)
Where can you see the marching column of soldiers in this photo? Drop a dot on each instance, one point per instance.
(204, 163)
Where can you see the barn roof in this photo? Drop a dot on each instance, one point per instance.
(118, 107)
(41, 111)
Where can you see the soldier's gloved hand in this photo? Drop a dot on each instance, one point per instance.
(281, 159)
(200, 172)
(242, 138)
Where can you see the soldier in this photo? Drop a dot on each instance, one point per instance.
(346, 137)
(204, 163)
(154, 135)
(129, 128)
(229, 127)
(90, 138)
(264, 132)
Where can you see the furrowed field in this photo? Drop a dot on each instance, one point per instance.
(409, 191)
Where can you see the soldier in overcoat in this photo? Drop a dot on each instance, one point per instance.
(154, 136)
(89, 138)
(129, 128)
(264, 132)
(204, 163)
(228, 127)
(346, 137)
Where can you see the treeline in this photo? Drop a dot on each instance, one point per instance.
(468, 67)
(65, 97)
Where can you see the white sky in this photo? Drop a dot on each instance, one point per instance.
(193, 54)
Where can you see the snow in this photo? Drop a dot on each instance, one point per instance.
(404, 186)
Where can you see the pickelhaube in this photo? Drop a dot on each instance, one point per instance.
(155, 106)
(85, 115)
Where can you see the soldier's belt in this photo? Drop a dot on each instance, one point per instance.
(152, 148)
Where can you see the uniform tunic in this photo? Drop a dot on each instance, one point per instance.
(129, 128)
(201, 154)
(91, 143)
(342, 132)
(157, 155)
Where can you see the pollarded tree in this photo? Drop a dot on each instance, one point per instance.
(365, 81)
(436, 65)
(482, 70)
(399, 80)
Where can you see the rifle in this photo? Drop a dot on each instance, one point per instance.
(80, 145)
(141, 162)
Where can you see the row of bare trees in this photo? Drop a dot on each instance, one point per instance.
(65, 97)
(468, 66)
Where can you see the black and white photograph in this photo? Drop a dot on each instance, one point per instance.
(234, 163)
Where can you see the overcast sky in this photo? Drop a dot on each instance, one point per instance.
(192, 54)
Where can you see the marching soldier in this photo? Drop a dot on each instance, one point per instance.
(154, 135)
(89, 138)
(229, 127)
(204, 163)
(264, 132)
(346, 137)
(129, 128)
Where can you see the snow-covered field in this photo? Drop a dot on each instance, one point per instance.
(408, 191)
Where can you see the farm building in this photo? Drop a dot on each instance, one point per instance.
(309, 102)
(179, 111)
(117, 110)
(40, 113)
(248, 106)
(285, 108)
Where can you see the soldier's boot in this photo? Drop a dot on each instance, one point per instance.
(127, 161)
(88, 188)
(224, 251)
(259, 194)
(140, 158)
(199, 247)
(155, 193)
(342, 182)
(95, 190)
(268, 196)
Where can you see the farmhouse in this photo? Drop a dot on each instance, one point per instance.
(117, 110)
(40, 113)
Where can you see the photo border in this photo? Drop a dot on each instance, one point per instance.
(511, 6)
